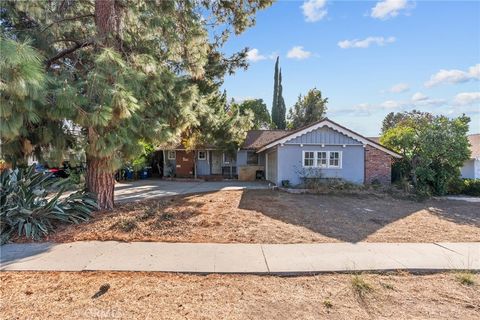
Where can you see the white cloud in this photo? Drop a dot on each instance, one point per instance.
(255, 56)
(298, 52)
(392, 104)
(365, 43)
(399, 88)
(467, 98)
(419, 97)
(388, 8)
(454, 76)
(314, 10)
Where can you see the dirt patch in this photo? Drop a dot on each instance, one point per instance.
(115, 295)
(265, 216)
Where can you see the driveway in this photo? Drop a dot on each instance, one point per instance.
(155, 188)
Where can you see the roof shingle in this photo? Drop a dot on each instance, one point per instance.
(258, 138)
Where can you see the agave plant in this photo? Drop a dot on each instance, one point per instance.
(31, 204)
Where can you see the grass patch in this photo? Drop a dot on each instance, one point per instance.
(386, 285)
(327, 304)
(125, 225)
(360, 286)
(466, 278)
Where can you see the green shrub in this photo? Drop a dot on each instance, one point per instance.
(466, 278)
(469, 187)
(360, 285)
(27, 209)
(472, 187)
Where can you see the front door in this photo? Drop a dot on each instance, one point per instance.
(216, 162)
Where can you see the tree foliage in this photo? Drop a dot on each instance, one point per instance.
(433, 148)
(308, 109)
(258, 108)
(394, 118)
(278, 103)
(124, 71)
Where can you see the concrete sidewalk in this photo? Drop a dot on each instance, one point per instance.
(239, 258)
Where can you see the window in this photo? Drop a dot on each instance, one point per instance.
(308, 158)
(171, 154)
(202, 155)
(252, 158)
(227, 158)
(334, 159)
(322, 159)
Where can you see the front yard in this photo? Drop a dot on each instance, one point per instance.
(265, 216)
(131, 295)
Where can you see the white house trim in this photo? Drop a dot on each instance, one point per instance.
(334, 126)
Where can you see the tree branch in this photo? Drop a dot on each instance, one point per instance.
(63, 53)
(68, 19)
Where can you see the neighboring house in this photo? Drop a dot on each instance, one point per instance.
(471, 167)
(323, 149)
(208, 161)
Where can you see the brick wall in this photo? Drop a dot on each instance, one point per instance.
(378, 166)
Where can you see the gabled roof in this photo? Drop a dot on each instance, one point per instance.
(474, 140)
(332, 125)
(258, 138)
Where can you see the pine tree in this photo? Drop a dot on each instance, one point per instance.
(25, 128)
(125, 72)
(275, 109)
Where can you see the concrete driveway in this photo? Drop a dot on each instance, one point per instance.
(156, 188)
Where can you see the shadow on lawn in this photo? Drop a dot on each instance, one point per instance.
(350, 218)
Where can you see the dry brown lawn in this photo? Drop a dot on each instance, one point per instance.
(265, 216)
(74, 295)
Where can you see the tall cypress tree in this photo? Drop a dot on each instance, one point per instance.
(281, 104)
(275, 110)
(278, 104)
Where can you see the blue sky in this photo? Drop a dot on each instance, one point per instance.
(367, 57)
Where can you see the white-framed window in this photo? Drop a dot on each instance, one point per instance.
(227, 158)
(322, 159)
(171, 154)
(308, 158)
(335, 159)
(202, 155)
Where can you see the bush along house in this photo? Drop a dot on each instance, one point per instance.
(323, 149)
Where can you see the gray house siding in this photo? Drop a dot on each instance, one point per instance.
(242, 158)
(203, 166)
(290, 166)
(471, 169)
(324, 136)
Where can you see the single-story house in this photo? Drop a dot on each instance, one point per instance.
(323, 149)
(208, 161)
(471, 167)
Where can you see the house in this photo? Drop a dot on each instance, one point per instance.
(207, 161)
(323, 149)
(471, 167)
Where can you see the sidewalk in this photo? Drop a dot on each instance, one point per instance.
(239, 258)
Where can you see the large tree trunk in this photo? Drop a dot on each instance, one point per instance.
(101, 181)
(108, 20)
